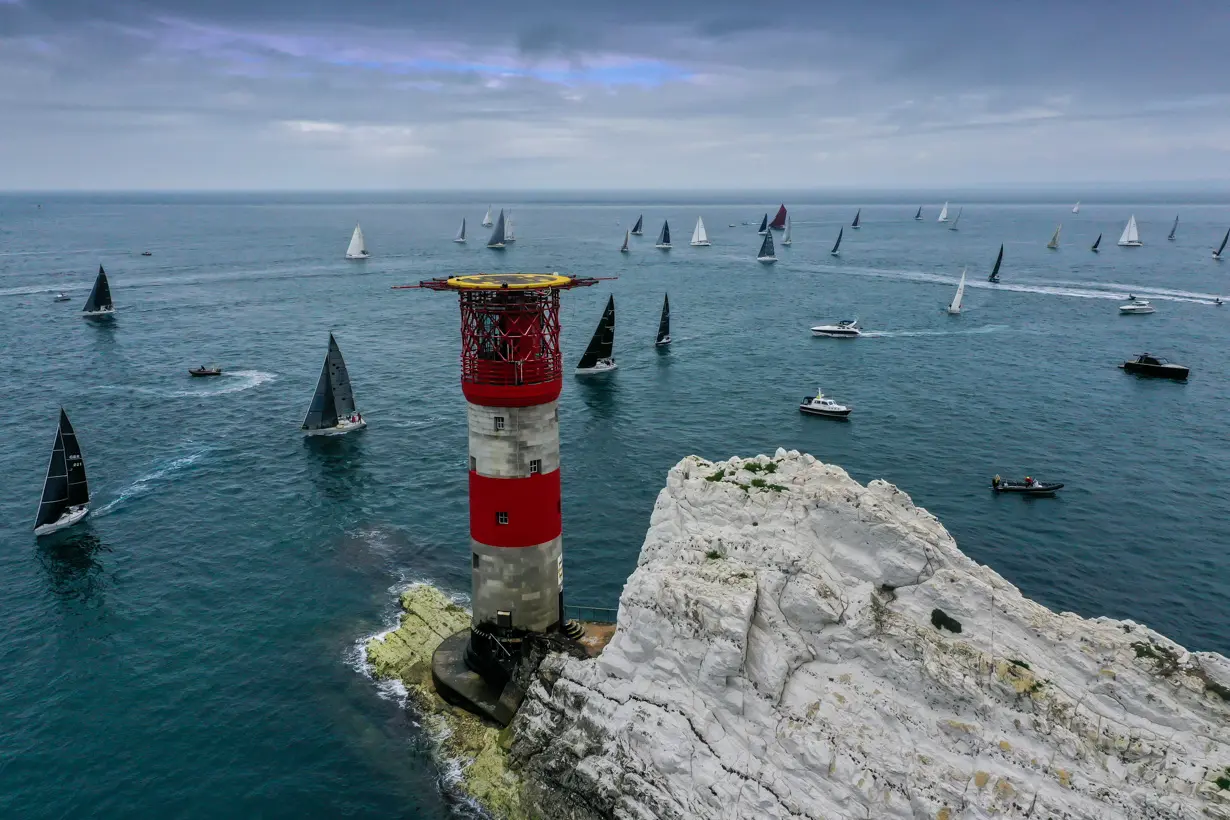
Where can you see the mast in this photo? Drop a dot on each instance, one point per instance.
(664, 323)
(100, 295)
(764, 224)
(786, 240)
(779, 221)
(664, 237)
(636, 229)
(602, 343)
(1174, 228)
(837, 244)
(497, 235)
(65, 485)
(998, 261)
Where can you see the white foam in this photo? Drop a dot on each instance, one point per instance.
(143, 484)
(974, 331)
(235, 381)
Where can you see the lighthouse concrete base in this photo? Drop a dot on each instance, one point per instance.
(461, 686)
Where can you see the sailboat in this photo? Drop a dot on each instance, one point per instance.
(636, 229)
(497, 236)
(98, 305)
(955, 307)
(766, 255)
(1130, 238)
(943, 213)
(66, 495)
(1173, 228)
(1096, 242)
(786, 240)
(994, 277)
(918, 216)
(855, 224)
(598, 357)
(779, 221)
(487, 223)
(664, 238)
(1217, 253)
(953, 226)
(510, 236)
(699, 237)
(764, 225)
(664, 324)
(1054, 243)
(332, 411)
(357, 248)
(1076, 209)
(837, 245)
(461, 234)
(624, 248)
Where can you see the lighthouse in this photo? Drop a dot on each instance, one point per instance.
(511, 375)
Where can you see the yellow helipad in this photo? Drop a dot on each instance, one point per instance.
(508, 281)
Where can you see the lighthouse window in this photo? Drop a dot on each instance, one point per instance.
(499, 422)
(476, 559)
(501, 518)
(473, 464)
(535, 465)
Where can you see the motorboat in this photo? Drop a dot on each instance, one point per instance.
(205, 370)
(845, 329)
(1155, 366)
(1030, 486)
(61, 297)
(1136, 306)
(146, 253)
(822, 405)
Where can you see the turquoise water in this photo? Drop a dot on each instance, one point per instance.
(190, 651)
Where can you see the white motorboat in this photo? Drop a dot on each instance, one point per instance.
(845, 329)
(1136, 306)
(822, 405)
(61, 297)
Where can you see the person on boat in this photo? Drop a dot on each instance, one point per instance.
(995, 481)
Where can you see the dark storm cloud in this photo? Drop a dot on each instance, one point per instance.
(319, 92)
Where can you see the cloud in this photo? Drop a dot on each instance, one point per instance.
(634, 94)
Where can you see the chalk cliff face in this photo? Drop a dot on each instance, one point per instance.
(795, 645)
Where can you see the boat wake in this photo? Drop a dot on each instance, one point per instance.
(235, 381)
(896, 334)
(146, 482)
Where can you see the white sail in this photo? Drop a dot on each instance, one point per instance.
(1076, 209)
(487, 221)
(509, 235)
(943, 214)
(786, 240)
(358, 248)
(955, 307)
(699, 237)
(461, 232)
(1130, 237)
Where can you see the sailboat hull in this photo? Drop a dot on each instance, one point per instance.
(663, 247)
(358, 256)
(703, 244)
(954, 311)
(663, 343)
(766, 260)
(601, 366)
(98, 314)
(343, 427)
(71, 516)
(1131, 244)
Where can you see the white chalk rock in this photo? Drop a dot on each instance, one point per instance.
(777, 656)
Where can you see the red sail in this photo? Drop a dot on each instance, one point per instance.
(779, 221)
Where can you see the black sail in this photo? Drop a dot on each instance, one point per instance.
(664, 238)
(333, 398)
(919, 214)
(1174, 228)
(497, 235)
(856, 216)
(1097, 242)
(998, 260)
(636, 229)
(603, 342)
(764, 224)
(65, 485)
(100, 296)
(1223, 242)
(766, 247)
(837, 244)
(664, 324)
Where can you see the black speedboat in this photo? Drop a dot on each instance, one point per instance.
(1029, 486)
(1146, 365)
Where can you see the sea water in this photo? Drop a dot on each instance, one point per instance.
(193, 650)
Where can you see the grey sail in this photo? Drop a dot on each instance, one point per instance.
(837, 244)
(764, 224)
(766, 248)
(664, 324)
(497, 235)
(100, 295)
(65, 485)
(333, 398)
(664, 238)
(636, 229)
(1174, 228)
(998, 260)
(602, 344)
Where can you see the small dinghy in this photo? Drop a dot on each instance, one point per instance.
(66, 495)
(1155, 367)
(599, 356)
(822, 405)
(332, 411)
(1030, 486)
(205, 370)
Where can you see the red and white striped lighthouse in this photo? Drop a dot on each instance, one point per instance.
(511, 375)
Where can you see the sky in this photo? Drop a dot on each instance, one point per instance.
(625, 94)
